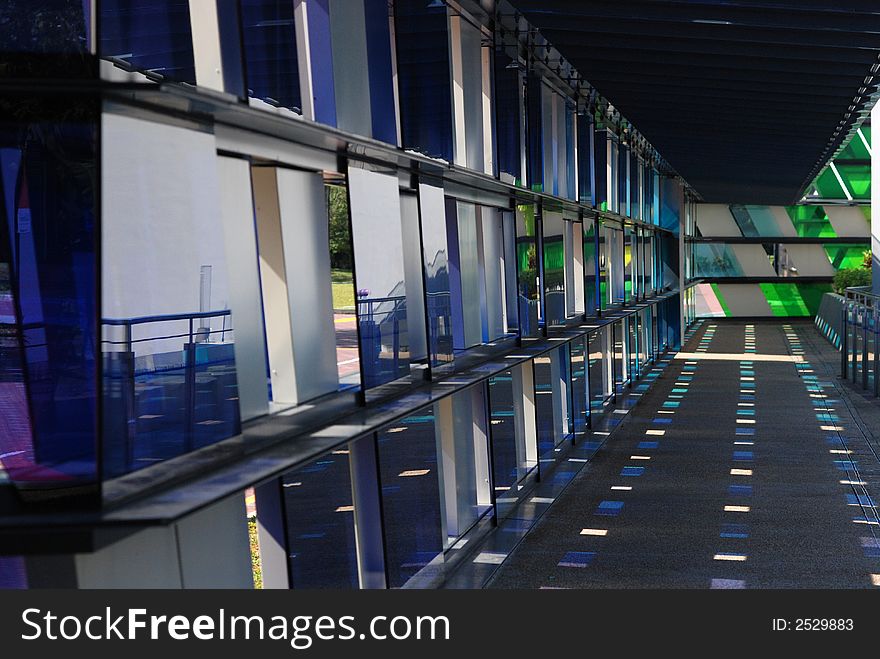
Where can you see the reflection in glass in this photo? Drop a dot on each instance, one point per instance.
(591, 264)
(552, 385)
(511, 458)
(270, 52)
(580, 396)
(149, 35)
(527, 269)
(599, 367)
(432, 211)
(170, 384)
(554, 267)
(379, 273)
(48, 277)
(320, 524)
(409, 478)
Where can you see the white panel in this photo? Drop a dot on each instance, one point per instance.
(274, 150)
(577, 265)
(376, 233)
(206, 44)
(160, 210)
(303, 58)
(783, 221)
(237, 216)
(716, 220)
(273, 278)
(415, 290)
(744, 299)
(469, 267)
(146, 559)
(214, 546)
(549, 139)
(472, 84)
(810, 260)
(493, 262)
(753, 260)
(488, 133)
(305, 232)
(457, 83)
(350, 75)
(848, 221)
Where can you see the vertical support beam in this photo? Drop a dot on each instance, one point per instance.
(367, 512)
(304, 58)
(237, 218)
(207, 55)
(273, 276)
(524, 413)
(875, 206)
(272, 535)
(456, 72)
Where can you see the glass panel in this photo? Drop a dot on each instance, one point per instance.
(511, 459)
(270, 52)
(599, 366)
(432, 211)
(464, 447)
(527, 269)
(342, 282)
(379, 272)
(552, 385)
(591, 257)
(716, 260)
(170, 380)
(618, 348)
(149, 35)
(630, 252)
(580, 395)
(554, 268)
(409, 477)
(48, 277)
(320, 524)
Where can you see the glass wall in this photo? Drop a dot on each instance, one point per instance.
(513, 450)
(149, 35)
(580, 385)
(553, 227)
(552, 399)
(599, 367)
(591, 268)
(409, 475)
(527, 270)
(320, 524)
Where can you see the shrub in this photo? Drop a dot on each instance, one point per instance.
(849, 277)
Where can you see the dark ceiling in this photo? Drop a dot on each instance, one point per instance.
(742, 98)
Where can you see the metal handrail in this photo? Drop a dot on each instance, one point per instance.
(860, 317)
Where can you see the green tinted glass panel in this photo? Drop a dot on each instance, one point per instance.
(794, 299)
(857, 179)
(810, 222)
(828, 187)
(845, 255)
(721, 300)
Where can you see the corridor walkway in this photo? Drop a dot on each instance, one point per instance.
(742, 467)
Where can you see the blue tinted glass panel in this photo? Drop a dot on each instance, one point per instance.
(597, 366)
(422, 45)
(409, 478)
(580, 410)
(149, 35)
(48, 279)
(270, 52)
(320, 524)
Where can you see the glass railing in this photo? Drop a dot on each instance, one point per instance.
(170, 387)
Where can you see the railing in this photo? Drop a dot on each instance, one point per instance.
(166, 392)
(860, 338)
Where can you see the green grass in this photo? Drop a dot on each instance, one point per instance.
(343, 289)
(255, 553)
